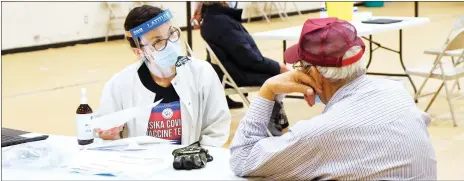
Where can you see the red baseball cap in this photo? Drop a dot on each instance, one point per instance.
(324, 42)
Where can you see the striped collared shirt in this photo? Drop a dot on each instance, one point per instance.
(370, 130)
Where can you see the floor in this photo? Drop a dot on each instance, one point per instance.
(41, 90)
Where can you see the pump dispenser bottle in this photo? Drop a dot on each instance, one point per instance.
(85, 133)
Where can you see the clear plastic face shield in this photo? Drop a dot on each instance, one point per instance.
(160, 41)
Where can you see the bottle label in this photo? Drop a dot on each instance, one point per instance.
(84, 130)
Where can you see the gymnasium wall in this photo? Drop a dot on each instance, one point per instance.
(27, 24)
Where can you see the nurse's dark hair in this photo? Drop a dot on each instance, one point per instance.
(140, 15)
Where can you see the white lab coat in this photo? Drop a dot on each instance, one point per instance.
(204, 111)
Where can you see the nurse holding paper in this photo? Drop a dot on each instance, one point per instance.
(193, 106)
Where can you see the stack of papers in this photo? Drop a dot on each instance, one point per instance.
(122, 158)
(121, 164)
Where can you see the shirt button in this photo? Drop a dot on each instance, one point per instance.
(189, 103)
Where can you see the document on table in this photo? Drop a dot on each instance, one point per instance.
(129, 144)
(127, 157)
(135, 164)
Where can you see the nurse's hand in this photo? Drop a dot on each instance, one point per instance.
(110, 134)
(291, 82)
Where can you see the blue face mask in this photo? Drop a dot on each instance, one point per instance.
(317, 99)
(165, 59)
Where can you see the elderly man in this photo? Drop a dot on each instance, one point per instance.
(370, 128)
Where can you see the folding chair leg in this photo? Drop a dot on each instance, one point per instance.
(418, 93)
(263, 13)
(433, 98)
(270, 9)
(279, 10)
(284, 12)
(108, 31)
(448, 95)
(248, 14)
(224, 80)
(297, 9)
(245, 100)
(416, 97)
(107, 34)
(457, 80)
(284, 9)
(459, 85)
(456, 83)
(240, 93)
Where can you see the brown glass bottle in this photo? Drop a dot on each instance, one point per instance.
(85, 134)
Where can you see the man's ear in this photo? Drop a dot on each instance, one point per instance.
(137, 52)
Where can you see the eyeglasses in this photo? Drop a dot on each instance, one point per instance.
(160, 44)
(302, 66)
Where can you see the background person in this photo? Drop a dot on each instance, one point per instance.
(370, 129)
(222, 29)
(193, 103)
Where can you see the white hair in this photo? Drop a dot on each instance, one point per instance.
(347, 73)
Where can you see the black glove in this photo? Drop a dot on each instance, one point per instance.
(191, 157)
(279, 120)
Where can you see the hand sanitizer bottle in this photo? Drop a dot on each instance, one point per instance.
(85, 133)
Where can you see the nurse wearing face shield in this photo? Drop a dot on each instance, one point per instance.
(159, 43)
(193, 106)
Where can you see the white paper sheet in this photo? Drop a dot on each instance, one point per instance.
(129, 144)
(119, 118)
(138, 164)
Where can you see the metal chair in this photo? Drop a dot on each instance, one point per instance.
(457, 25)
(227, 80)
(455, 42)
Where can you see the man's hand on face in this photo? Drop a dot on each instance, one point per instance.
(291, 82)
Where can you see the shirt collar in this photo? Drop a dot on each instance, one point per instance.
(346, 90)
